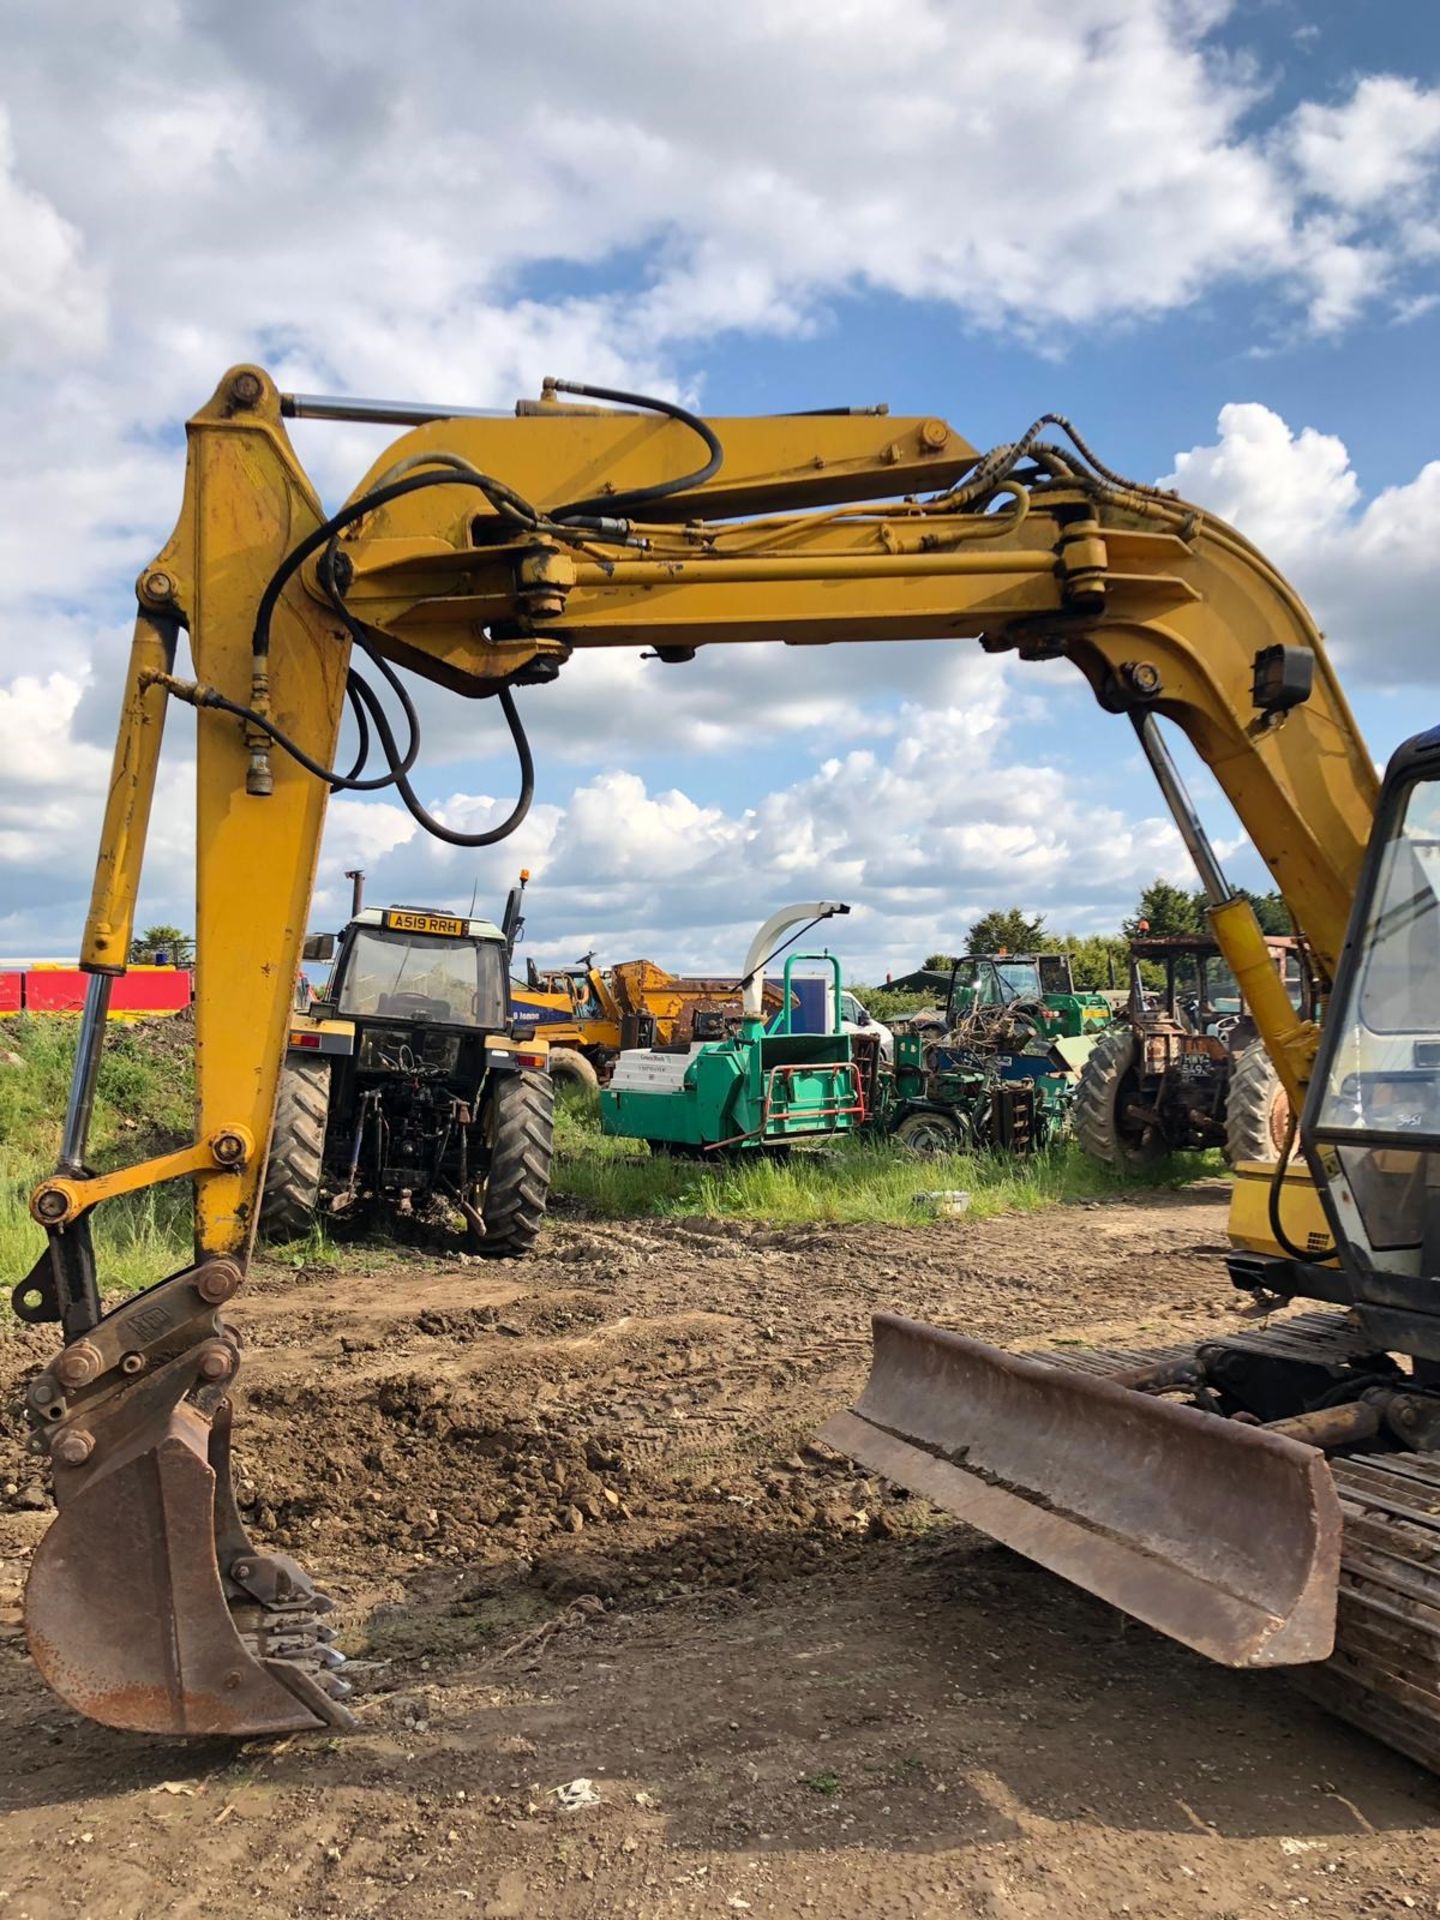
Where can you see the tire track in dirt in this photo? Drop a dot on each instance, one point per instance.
(573, 1508)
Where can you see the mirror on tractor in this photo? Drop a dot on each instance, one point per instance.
(318, 946)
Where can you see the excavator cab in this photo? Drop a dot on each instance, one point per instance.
(1371, 1126)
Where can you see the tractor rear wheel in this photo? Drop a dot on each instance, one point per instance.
(571, 1071)
(928, 1134)
(520, 1124)
(1257, 1108)
(1109, 1081)
(291, 1193)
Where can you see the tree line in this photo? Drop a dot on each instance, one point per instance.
(1163, 909)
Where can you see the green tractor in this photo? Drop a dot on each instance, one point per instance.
(997, 1069)
(939, 1098)
(1041, 983)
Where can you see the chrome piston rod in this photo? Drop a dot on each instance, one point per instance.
(1182, 808)
(87, 1068)
(384, 413)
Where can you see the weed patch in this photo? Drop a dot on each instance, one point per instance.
(847, 1180)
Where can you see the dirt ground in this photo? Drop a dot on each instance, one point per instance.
(572, 1510)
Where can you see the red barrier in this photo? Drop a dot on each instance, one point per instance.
(62, 990)
(11, 992)
(166, 990)
(54, 990)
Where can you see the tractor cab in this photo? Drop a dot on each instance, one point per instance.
(580, 985)
(1197, 993)
(994, 980)
(414, 984)
(1043, 984)
(434, 968)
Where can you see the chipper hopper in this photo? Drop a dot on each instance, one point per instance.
(764, 1086)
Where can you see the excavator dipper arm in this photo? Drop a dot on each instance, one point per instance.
(482, 553)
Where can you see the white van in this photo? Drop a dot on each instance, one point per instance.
(855, 1019)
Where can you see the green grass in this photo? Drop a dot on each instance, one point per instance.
(850, 1180)
(144, 1105)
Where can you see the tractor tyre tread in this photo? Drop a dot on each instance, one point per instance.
(568, 1064)
(1255, 1102)
(1094, 1117)
(293, 1173)
(927, 1125)
(518, 1184)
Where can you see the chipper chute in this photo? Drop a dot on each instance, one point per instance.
(1222, 1535)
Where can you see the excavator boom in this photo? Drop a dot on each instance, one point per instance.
(483, 554)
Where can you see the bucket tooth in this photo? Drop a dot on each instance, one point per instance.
(1219, 1534)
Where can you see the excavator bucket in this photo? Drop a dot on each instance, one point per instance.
(1219, 1534)
(130, 1619)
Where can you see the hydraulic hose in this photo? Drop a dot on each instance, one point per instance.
(1282, 1239)
(411, 475)
(613, 505)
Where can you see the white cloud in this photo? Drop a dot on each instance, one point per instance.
(52, 790)
(1382, 141)
(35, 722)
(183, 185)
(311, 189)
(1370, 572)
(1283, 488)
(51, 302)
(921, 832)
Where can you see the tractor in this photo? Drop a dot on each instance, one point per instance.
(408, 1087)
(1040, 980)
(997, 1067)
(1183, 1069)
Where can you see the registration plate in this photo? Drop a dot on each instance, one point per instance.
(401, 920)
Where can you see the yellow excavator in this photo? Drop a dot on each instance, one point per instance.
(1272, 1498)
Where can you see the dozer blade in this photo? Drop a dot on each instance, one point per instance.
(1219, 1534)
(127, 1617)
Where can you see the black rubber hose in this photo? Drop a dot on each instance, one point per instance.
(395, 764)
(360, 690)
(400, 767)
(1282, 1239)
(361, 694)
(614, 505)
(517, 813)
(362, 727)
(337, 783)
(501, 497)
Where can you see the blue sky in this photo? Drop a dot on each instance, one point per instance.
(1195, 229)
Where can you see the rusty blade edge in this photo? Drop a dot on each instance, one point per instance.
(1221, 1625)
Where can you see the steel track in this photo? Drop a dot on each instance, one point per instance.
(1384, 1675)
